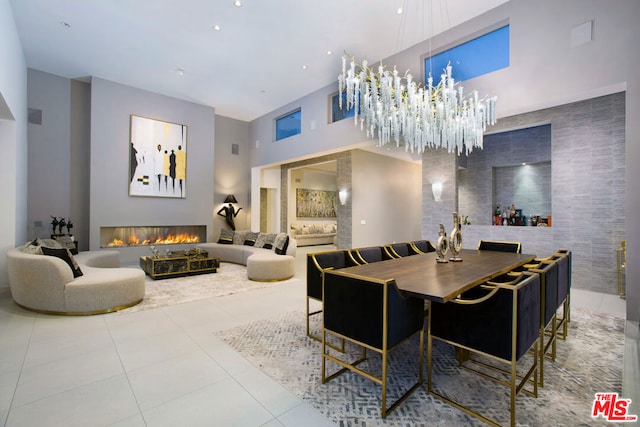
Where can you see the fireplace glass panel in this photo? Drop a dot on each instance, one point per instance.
(125, 236)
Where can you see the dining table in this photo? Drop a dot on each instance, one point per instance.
(421, 276)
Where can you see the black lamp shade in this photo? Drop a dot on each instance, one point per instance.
(230, 199)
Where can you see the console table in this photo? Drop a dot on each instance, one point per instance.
(178, 263)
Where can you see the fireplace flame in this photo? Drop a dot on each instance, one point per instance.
(170, 239)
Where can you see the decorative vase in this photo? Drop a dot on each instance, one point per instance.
(455, 239)
(442, 246)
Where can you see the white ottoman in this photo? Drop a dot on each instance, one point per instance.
(270, 267)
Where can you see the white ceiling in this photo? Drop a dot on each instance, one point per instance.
(250, 67)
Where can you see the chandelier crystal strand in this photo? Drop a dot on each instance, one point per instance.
(390, 106)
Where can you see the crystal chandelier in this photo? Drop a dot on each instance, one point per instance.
(397, 107)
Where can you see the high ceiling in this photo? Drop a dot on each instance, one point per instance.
(251, 66)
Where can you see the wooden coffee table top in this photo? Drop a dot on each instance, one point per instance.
(421, 276)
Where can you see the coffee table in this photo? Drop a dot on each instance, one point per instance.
(179, 263)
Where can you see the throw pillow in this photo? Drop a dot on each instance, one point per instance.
(250, 238)
(64, 255)
(239, 236)
(260, 240)
(281, 243)
(32, 248)
(50, 243)
(226, 237)
(268, 241)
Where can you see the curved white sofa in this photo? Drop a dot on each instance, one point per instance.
(46, 284)
(263, 265)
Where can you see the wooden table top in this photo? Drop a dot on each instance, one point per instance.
(421, 276)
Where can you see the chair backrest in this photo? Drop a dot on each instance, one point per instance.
(369, 254)
(399, 250)
(562, 259)
(424, 246)
(320, 261)
(487, 326)
(567, 252)
(355, 308)
(549, 286)
(498, 245)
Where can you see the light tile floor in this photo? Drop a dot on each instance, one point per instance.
(157, 367)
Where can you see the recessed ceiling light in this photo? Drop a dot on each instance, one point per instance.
(65, 24)
(237, 3)
(400, 11)
(304, 67)
(180, 71)
(329, 52)
(217, 27)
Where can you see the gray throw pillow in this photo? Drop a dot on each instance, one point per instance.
(239, 236)
(250, 238)
(281, 243)
(260, 240)
(226, 237)
(268, 241)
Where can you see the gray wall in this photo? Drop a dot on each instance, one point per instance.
(232, 172)
(588, 190)
(111, 107)
(49, 151)
(13, 138)
(495, 175)
(80, 158)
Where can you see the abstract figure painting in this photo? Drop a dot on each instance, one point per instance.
(315, 203)
(157, 158)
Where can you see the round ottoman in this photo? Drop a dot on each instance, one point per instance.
(270, 267)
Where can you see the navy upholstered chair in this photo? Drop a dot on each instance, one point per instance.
(422, 246)
(548, 271)
(374, 316)
(503, 323)
(369, 254)
(317, 263)
(563, 259)
(399, 250)
(499, 245)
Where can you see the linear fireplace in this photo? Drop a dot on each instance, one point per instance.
(126, 236)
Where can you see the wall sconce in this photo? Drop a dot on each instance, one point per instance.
(436, 189)
(230, 199)
(342, 195)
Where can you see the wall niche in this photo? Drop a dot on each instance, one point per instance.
(513, 168)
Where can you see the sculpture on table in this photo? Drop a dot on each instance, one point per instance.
(54, 224)
(442, 245)
(61, 224)
(455, 239)
(69, 226)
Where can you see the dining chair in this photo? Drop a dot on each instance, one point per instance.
(548, 271)
(317, 264)
(422, 246)
(499, 245)
(372, 315)
(495, 329)
(563, 258)
(369, 254)
(400, 250)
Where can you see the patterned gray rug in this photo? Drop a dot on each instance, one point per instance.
(589, 361)
(229, 279)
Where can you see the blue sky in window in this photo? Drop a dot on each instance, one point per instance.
(474, 58)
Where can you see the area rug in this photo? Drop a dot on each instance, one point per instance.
(229, 279)
(589, 361)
